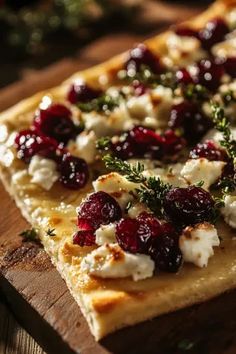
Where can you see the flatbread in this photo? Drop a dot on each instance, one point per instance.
(109, 304)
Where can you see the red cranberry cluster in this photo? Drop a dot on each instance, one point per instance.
(98, 209)
(144, 142)
(146, 234)
(208, 71)
(141, 56)
(52, 128)
(189, 117)
(214, 31)
(83, 93)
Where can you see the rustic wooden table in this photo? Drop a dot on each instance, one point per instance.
(155, 17)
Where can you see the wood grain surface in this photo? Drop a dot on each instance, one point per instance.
(39, 297)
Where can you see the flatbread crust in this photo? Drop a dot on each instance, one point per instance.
(110, 304)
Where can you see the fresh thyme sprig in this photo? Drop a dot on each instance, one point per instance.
(51, 232)
(29, 235)
(151, 190)
(146, 76)
(104, 103)
(131, 173)
(103, 144)
(223, 126)
(195, 92)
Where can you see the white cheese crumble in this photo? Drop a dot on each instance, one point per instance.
(225, 49)
(183, 50)
(102, 124)
(196, 170)
(229, 210)
(137, 209)
(105, 234)
(86, 146)
(216, 136)
(110, 261)
(197, 242)
(43, 172)
(140, 107)
(116, 185)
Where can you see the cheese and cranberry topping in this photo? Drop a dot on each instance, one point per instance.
(110, 261)
(162, 219)
(197, 242)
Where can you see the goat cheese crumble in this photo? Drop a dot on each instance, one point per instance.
(196, 170)
(43, 172)
(196, 243)
(105, 234)
(110, 261)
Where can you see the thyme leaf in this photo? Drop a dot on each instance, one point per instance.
(103, 143)
(195, 92)
(104, 103)
(151, 190)
(29, 235)
(146, 76)
(222, 125)
(51, 232)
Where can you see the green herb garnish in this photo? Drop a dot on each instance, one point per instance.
(146, 76)
(51, 232)
(222, 125)
(195, 92)
(186, 344)
(151, 190)
(104, 103)
(103, 143)
(29, 235)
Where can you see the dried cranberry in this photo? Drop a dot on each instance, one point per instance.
(213, 32)
(209, 151)
(186, 32)
(147, 142)
(147, 235)
(55, 122)
(74, 172)
(81, 92)
(230, 66)
(135, 235)
(84, 238)
(124, 149)
(142, 56)
(99, 209)
(187, 116)
(139, 88)
(189, 205)
(173, 144)
(183, 76)
(209, 74)
(29, 143)
(166, 253)
(127, 235)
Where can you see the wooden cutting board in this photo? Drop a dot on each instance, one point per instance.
(39, 297)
